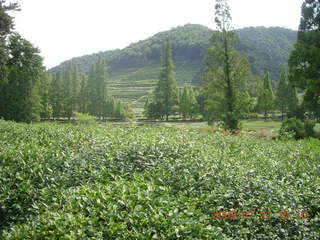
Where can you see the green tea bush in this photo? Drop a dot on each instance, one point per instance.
(84, 119)
(152, 182)
(309, 128)
(295, 128)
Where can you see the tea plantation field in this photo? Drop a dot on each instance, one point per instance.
(154, 182)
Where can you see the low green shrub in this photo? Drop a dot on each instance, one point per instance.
(309, 128)
(84, 119)
(297, 129)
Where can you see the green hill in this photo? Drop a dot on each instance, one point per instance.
(134, 70)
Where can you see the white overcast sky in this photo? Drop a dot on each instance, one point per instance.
(63, 29)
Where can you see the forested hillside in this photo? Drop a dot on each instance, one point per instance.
(134, 70)
(266, 48)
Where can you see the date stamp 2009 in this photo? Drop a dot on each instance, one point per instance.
(261, 215)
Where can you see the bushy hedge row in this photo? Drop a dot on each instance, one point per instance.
(150, 182)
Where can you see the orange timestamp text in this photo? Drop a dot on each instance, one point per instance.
(261, 215)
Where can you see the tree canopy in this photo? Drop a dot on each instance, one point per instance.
(304, 60)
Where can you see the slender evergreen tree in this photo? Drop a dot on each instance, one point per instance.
(67, 98)
(266, 98)
(83, 97)
(56, 96)
(97, 88)
(166, 92)
(187, 102)
(282, 93)
(110, 107)
(226, 73)
(292, 100)
(44, 90)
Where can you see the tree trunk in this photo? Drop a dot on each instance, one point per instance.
(265, 115)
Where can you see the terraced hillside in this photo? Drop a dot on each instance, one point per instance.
(134, 87)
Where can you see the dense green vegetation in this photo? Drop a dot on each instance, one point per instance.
(304, 60)
(144, 182)
(266, 49)
(20, 70)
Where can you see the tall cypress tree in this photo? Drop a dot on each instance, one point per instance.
(166, 92)
(44, 89)
(184, 102)
(67, 98)
(266, 98)
(292, 100)
(187, 102)
(83, 95)
(75, 88)
(56, 96)
(70, 91)
(282, 93)
(226, 73)
(97, 89)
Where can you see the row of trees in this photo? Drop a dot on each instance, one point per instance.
(226, 73)
(168, 99)
(28, 92)
(284, 100)
(225, 95)
(211, 102)
(304, 67)
(69, 91)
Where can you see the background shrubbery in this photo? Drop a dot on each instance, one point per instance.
(297, 129)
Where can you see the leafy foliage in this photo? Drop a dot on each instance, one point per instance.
(188, 106)
(6, 28)
(84, 119)
(266, 98)
(281, 98)
(19, 93)
(267, 49)
(297, 128)
(144, 182)
(304, 60)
